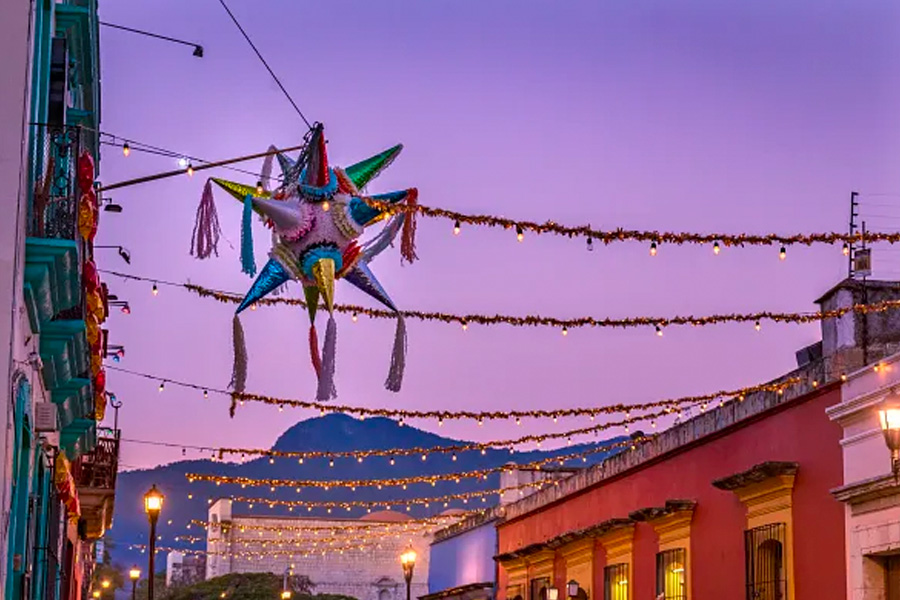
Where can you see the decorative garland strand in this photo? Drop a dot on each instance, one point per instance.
(405, 481)
(365, 526)
(623, 235)
(757, 318)
(777, 387)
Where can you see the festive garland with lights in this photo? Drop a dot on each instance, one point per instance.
(481, 416)
(258, 554)
(387, 504)
(405, 481)
(658, 323)
(624, 235)
(389, 526)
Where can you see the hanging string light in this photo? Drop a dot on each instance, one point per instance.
(126, 149)
(402, 414)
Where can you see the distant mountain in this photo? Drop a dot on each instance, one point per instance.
(330, 433)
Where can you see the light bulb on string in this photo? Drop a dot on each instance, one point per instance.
(259, 188)
(126, 149)
(456, 228)
(565, 331)
(652, 248)
(757, 326)
(590, 244)
(354, 318)
(782, 254)
(162, 386)
(716, 248)
(205, 394)
(190, 170)
(520, 235)
(154, 290)
(659, 331)
(846, 249)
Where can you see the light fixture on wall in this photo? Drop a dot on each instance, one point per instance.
(552, 593)
(889, 416)
(572, 588)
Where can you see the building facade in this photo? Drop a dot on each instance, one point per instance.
(738, 501)
(306, 547)
(868, 490)
(57, 476)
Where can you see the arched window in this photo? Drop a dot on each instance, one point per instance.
(764, 552)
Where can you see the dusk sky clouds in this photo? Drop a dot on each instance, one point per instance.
(692, 116)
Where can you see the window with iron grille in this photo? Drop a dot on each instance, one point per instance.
(765, 562)
(539, 588)
(615, 582)
(671, 578)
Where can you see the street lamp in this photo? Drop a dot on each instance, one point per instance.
(153, 501)
(408, 560)
(286, 595)
(134, 574)
(105, 584)
(889, 415)
(96, 594)
(572, 588)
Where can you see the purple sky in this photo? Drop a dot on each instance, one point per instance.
(704, 116)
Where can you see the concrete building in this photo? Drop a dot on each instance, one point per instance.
(270, 544)
(868, 490)
(184, 569)
(57, 474)
(736, 502)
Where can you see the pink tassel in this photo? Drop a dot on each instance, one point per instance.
(326, 389)
(314, 350)
(239, 366)
(205, 239)
(408, 237)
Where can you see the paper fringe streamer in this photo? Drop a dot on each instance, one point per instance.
(239, 366)
(408, 238)
(205, 238)
(314, 350)
(398, 357)
(248, 262)
(326, 389)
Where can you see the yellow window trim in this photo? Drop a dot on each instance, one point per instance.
(768, 502)
(674, 531)
(619, 546)
(579, 557)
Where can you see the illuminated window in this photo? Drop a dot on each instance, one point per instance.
(764, 558)
(671, 579)
(615, 582)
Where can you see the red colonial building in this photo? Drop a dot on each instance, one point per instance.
(732, 504)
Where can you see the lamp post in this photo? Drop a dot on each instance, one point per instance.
(134, 574)
(408, 560)
(153, 501)
(889, 416)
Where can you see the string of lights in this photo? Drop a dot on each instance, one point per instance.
(564, 325)
(655, 238)
(352, 526)
(778, 387)
(259, 554)
(391, 503)
(424, 452)
(403, 482)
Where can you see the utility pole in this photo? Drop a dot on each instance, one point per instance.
(854, 205)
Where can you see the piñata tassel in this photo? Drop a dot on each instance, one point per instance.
(398, 357)
(326, 389)
(248, 262)
(239, 366)
(314, 350)
(205, 239)
(408, 238)
(265, 174)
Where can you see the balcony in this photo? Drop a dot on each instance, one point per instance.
(95, 479)
(52, 287)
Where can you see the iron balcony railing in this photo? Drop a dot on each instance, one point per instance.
(53, 210)
(98, 468)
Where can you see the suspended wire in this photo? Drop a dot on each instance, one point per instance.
(265, 64)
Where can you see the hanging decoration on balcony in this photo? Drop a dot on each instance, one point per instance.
(65, 485)
(316, 214)
(88, 207)
(94, 315)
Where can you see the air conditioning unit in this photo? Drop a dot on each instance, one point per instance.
(45, 417)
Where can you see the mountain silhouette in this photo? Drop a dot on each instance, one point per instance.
(330, 433)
